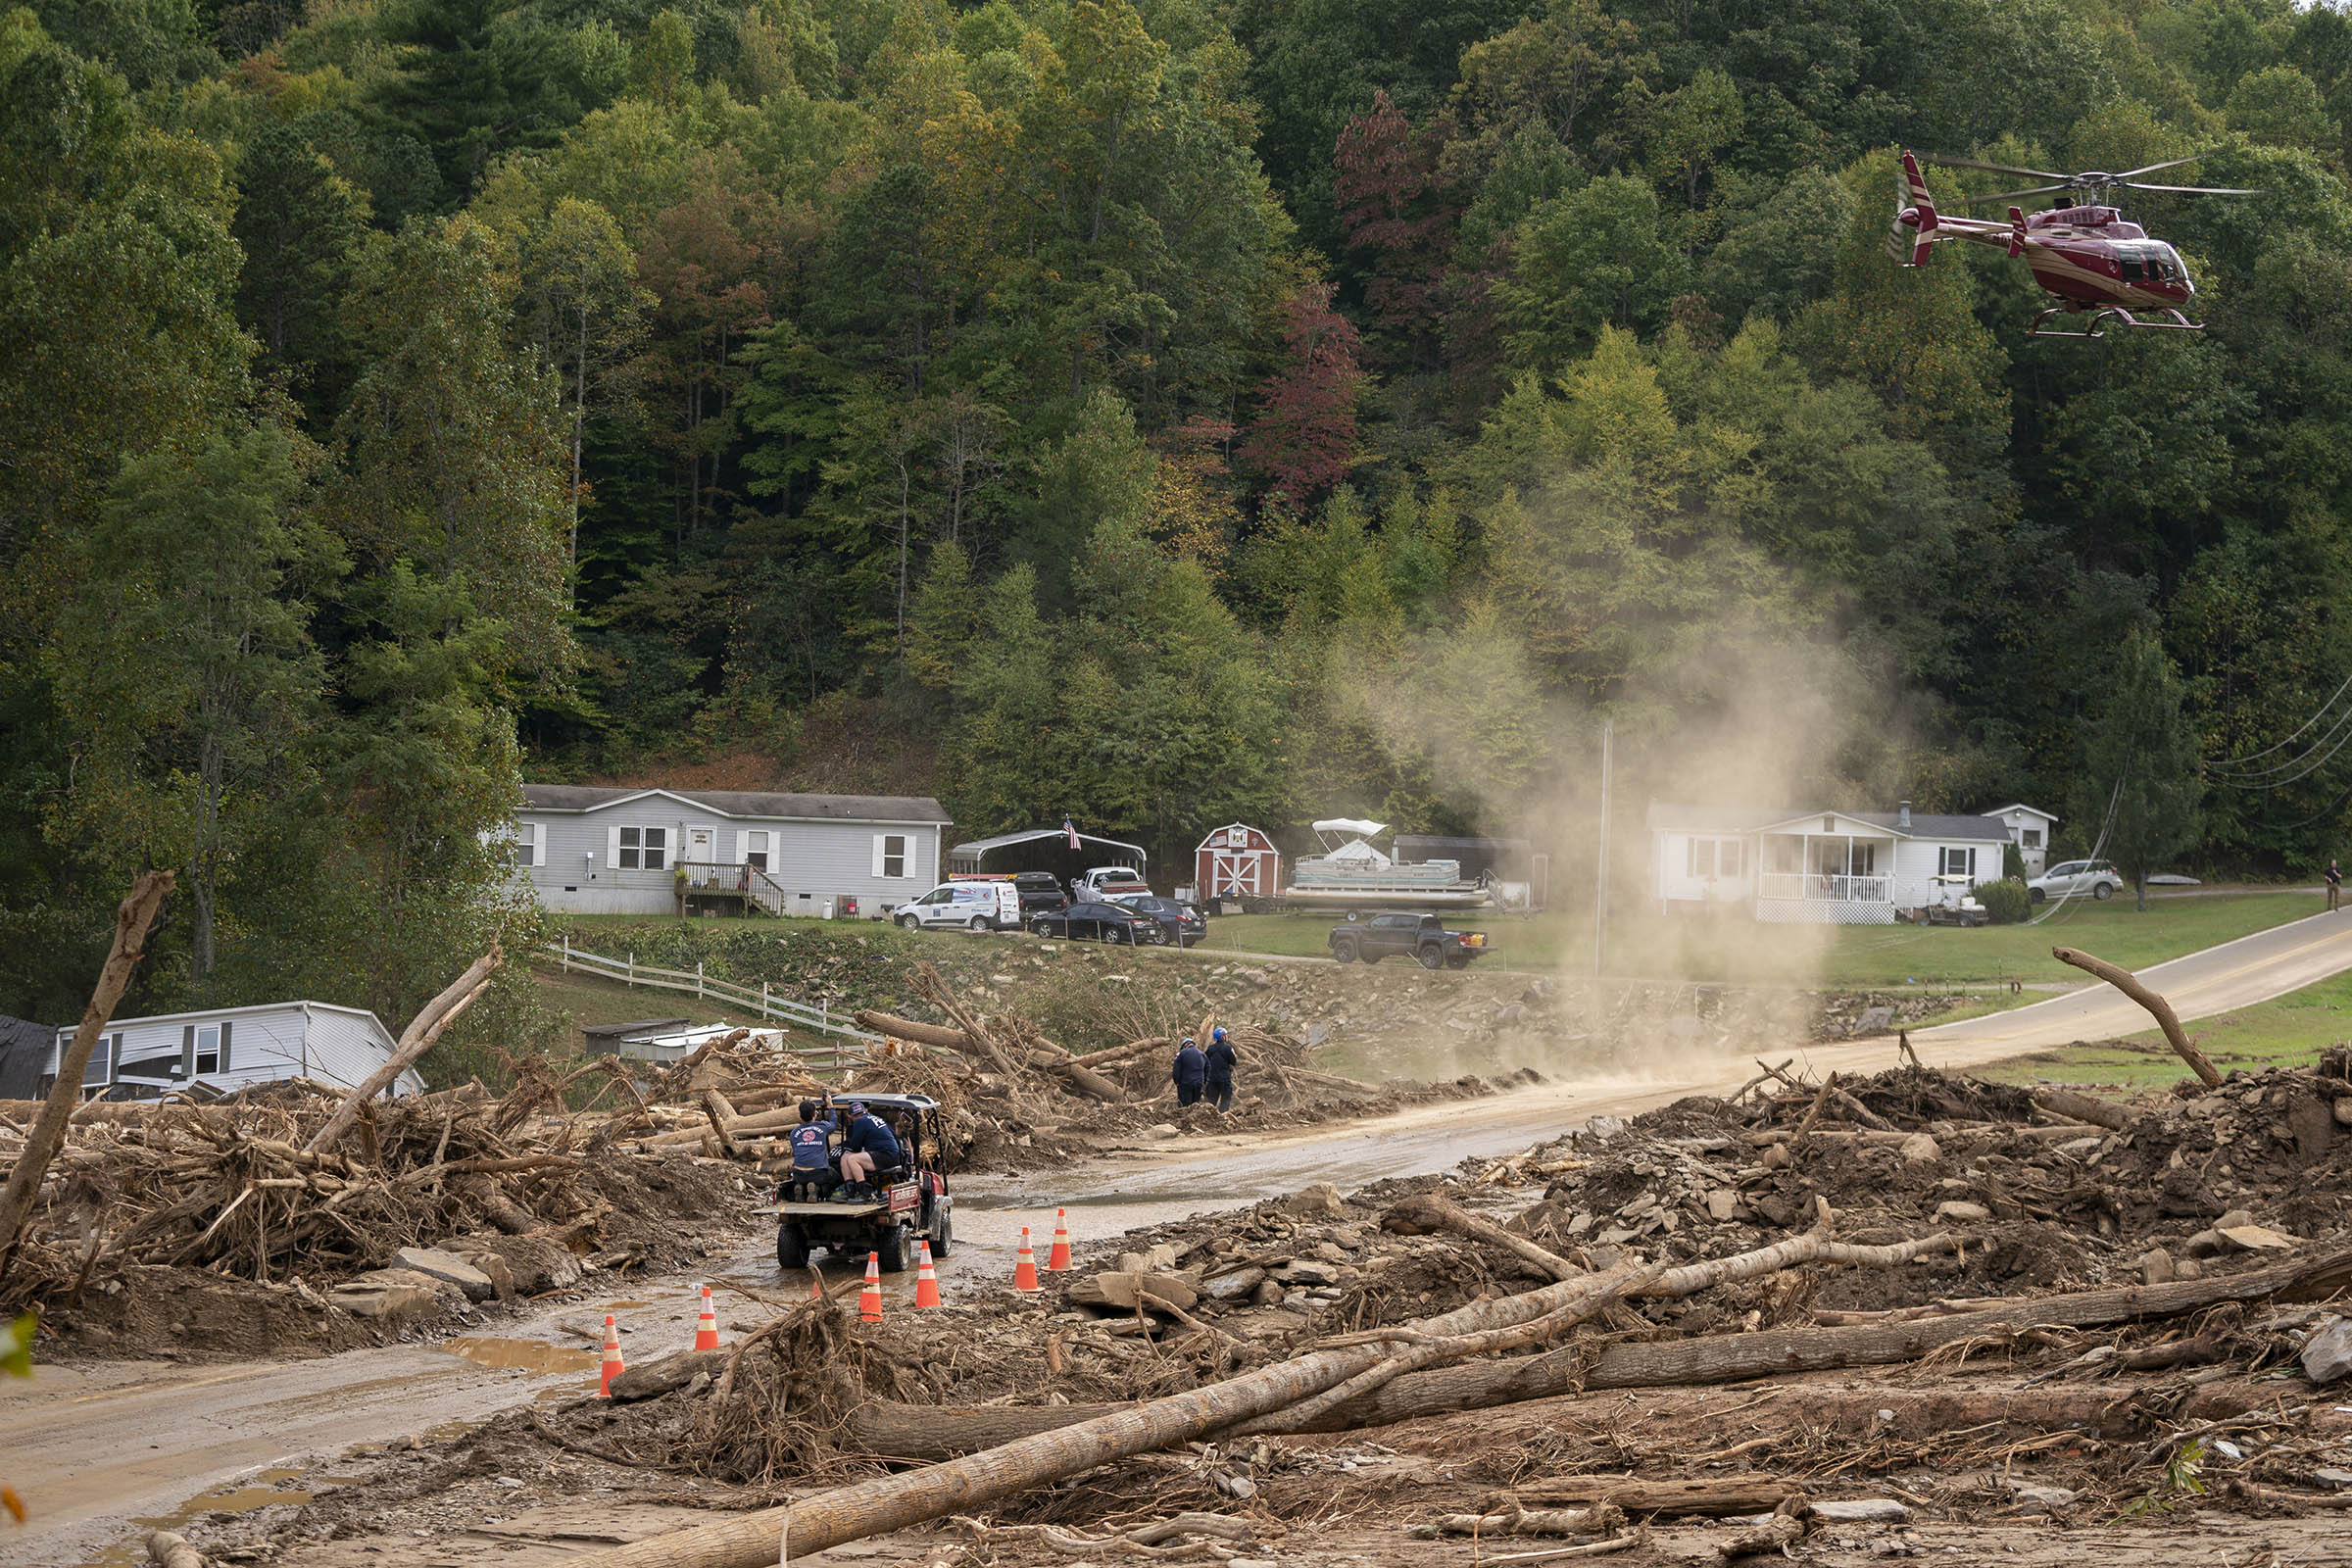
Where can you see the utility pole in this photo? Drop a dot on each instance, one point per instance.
(1600, 874)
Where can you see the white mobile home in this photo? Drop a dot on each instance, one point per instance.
(226, 1048)
(1828, 868)
(2029, 829)
(614, 850)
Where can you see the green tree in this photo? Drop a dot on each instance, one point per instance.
(298, 222)
(2140, 765)
(187, 670)
(1588, 258)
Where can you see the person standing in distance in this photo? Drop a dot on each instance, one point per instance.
(1190, 1072)
(1219, 1085)
(2335, 886)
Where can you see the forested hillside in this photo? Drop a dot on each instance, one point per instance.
(1165, 414)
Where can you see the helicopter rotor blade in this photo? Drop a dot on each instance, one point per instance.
(2169, 163)
(1995, 168)
(2190, 190)
(2018, 195)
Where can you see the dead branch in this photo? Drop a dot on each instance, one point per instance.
(2161, 1010)
(418, 1038)
(1425, 1212)
(132, 918)
(2082, 1108)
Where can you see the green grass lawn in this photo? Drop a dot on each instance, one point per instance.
(1733, 948)
(2285, 1031)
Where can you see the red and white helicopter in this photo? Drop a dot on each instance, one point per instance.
(2083, 253)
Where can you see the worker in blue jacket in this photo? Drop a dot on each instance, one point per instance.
(813, 1177)
(1190, 1072)
(869, 1146)
(1219, 1055)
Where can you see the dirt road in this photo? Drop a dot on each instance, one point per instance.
(96, 1447)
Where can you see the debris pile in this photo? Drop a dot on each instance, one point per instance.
(1976, 1312)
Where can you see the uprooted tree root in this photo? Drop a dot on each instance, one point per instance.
(781, 1405)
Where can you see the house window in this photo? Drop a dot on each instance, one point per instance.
(99, 1070)
(1959, 862)
(643, 848)
(2031, 838)
(1862, 859)
(524, 842)
(754, 849)
(890, 855)
(207, 1048)
(1713, 857)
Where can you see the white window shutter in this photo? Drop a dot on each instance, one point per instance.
(538, 848)
(879, 841)
(611, 849)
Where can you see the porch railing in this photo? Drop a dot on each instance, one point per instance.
(746, 882)
(1838, 889)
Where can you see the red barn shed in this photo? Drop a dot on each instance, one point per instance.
(1236, 861)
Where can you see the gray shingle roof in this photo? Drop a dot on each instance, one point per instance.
(750, 804)
(1667, 819)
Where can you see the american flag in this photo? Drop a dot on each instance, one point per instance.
(1071, 830)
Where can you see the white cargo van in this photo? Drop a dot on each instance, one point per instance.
(976, 905)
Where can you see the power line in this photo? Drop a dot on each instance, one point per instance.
(2283, 745)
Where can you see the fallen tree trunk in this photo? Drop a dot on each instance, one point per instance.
(133, 917)
(1726, 1495)
(1425, 1213)
(916, 1432)
(414, 1040)
(943, 1036)
(891, 1502)
(1078, 1070)
(2082, 1109)
(2161, 1010)
(930, 1432)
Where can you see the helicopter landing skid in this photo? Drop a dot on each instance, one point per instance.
(2102, 316)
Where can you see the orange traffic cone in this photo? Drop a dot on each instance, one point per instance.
(613, 1366)
(1024, 1272)
(926, 1283)
(869, 1299)
(1058, 1260)
(706, 1326)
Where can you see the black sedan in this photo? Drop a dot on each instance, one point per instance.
(1179, 923)
(1104, 922)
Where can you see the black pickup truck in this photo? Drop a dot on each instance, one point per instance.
(1415, 936)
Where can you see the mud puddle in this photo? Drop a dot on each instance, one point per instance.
(535, 1356)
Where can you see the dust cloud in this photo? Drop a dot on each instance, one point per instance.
(1735, 717)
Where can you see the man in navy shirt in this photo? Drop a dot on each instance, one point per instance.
(1190, 1072)
(811, 1140)
(870, 1145)
(1219, 1087)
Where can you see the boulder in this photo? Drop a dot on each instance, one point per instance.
(2156, 1267)
(2312, 1120)
(391, 1293)
(2328, 1353)
(1963, 1214)
(502, 1277)
(667, 1375)
(1154, 1259)
(2041, 1500)
(449, 1269)
(1303, 1271)
(1120, 1291)
(537, 1263)
(1875, 1021)
(1315, 1198)
(1918, 1148)
(2257, 1239)
(1234, 1287)
(1723, 1204)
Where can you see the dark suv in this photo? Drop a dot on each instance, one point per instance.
(1040, 893)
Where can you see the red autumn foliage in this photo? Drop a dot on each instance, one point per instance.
(1304, 439)
(1384, 176)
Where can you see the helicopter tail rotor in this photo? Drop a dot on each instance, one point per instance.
(2017, 233)
(1912, 235)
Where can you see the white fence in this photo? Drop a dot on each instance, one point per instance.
(764, 1002)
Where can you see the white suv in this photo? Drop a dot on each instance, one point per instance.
(977, 905)
(2095, 877)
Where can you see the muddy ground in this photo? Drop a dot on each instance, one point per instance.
(2197, 1439)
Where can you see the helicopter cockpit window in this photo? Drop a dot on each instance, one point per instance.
(2136, 270)
(2167, 265)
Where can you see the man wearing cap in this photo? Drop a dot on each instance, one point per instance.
(868, 1146)
(1190, 1072)
(1219, 1057)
